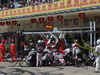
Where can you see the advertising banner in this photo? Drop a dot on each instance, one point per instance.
(49, 7)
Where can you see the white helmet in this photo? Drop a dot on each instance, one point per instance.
(32, 49)
(39, 41)
(98, 41)
(42, 40)
(73, 45)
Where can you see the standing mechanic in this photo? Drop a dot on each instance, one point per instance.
(2, 50)
(13, 50)
(39, 48)
(97, 50)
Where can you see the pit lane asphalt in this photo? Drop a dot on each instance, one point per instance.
(55, 70)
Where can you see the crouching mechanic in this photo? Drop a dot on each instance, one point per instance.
(13, 50)
(97, 50)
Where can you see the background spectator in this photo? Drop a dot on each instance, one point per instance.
(0, 7)
(22, 3)
(4, 6)
(12, 5)
(36, 2)
(8, 6)
(29, 3)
